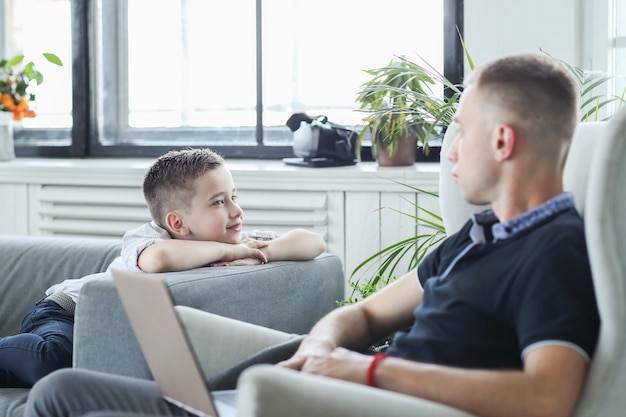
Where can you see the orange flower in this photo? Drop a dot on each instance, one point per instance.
(19, 115)
(22, 105)
(7, 101)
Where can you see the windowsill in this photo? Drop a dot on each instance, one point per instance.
(270, 174)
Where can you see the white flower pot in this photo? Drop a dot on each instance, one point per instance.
(7, 150)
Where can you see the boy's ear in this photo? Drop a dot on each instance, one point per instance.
(176, 224)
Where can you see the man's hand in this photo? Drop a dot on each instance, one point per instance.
(309, 350)
(341, 364)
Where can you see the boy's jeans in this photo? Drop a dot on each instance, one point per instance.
(43, 345)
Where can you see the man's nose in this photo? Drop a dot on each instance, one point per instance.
(452, 153)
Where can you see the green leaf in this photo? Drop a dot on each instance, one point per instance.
(16, 60)
(466, 51)
(52, 58)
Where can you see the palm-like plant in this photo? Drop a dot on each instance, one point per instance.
(387, 260)
(400, 103)
(593, 100)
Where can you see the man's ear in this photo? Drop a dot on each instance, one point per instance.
(176, 224)
(505, 143)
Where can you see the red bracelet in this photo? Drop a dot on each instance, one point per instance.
(372, 368)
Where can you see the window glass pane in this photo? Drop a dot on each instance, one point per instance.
(620, 12)
(619, 53)
(191, 63)
(315, 53)
(41, 26)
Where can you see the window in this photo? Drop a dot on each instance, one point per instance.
(144, 76)
(617, 55)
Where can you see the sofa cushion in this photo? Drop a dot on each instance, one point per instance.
(12, 401)
(31, 264)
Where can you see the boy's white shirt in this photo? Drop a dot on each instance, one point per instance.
(133, 242)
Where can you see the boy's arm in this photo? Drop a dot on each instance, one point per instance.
(295, 245)
(178, 255)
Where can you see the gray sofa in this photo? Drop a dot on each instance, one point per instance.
(288, 296)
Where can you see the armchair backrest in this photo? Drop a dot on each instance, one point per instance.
(605, 228)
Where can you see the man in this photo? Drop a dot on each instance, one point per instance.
(502, 315)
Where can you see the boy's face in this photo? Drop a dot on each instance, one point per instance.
(214, 214)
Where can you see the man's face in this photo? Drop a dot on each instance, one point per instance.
(470, 152)
(214, 214)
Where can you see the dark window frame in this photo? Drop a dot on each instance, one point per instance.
(88, 142)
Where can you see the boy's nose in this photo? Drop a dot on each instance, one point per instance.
(236, 211)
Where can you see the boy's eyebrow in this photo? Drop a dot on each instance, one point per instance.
(221, 193)
(218, 194)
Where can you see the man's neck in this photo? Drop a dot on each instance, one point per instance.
(522, 196)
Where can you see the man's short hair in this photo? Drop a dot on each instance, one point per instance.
(533, 93)
(169, 183)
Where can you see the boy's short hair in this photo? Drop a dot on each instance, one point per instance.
(169, 183)
(535, 94)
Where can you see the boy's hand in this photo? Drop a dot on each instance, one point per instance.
(238, 262)
(253, 243)
(248, 252)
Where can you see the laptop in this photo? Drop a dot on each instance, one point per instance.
(166, 347)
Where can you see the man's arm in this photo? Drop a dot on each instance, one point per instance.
(178, 255)
(360, 325)
(549, 385)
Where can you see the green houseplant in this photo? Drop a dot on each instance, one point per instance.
(593, 101)
(401, 106)
(381, 268)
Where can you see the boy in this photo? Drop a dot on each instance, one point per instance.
(196, 222)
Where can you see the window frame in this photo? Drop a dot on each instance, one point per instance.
(86, 138)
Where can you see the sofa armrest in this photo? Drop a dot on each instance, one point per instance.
(288, 296)
(269, 391)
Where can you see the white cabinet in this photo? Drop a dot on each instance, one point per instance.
(355, 208)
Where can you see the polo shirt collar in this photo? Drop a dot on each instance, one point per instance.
(487, 228)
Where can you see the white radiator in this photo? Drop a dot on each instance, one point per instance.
(100, 211)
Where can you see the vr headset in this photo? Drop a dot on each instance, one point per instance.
(320, 143)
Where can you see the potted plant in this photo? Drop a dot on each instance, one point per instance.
(16, 80)
(402, 111)
(16, 77)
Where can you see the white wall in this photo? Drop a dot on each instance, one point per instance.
(572, 30)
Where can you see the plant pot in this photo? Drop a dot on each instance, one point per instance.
(7, 149)
(404, 156)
